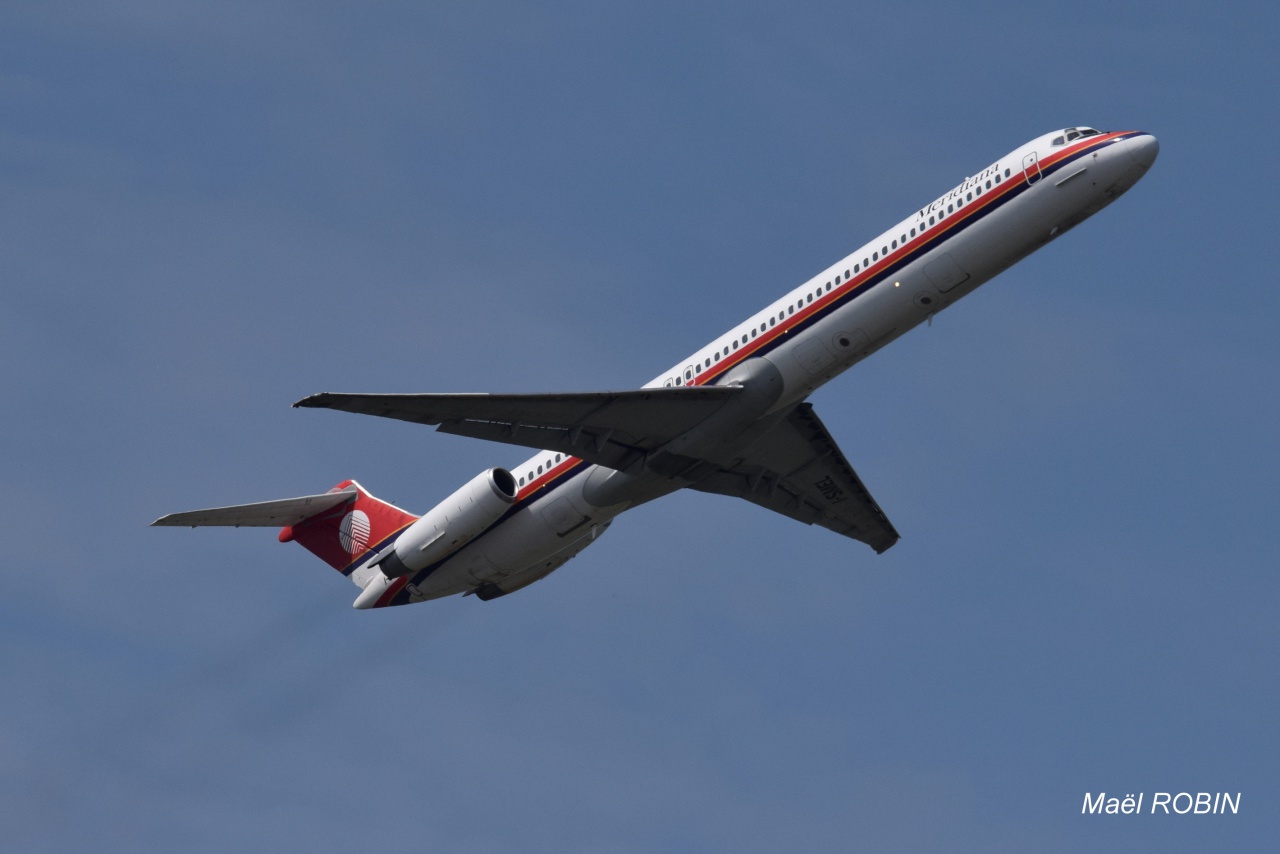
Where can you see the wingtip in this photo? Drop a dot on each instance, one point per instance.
(311, 401)
(882, 549)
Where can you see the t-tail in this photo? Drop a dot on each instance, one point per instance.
(377, 545)
(341, 527)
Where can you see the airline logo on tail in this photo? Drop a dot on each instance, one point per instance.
(354, 532)
(344, 535)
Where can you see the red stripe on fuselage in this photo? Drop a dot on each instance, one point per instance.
(545, 478)
(945, 224)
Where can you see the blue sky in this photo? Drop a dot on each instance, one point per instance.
(210, 214)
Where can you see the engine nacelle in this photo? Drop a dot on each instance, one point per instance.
(451, 524)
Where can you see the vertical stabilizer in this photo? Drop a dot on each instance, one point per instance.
(343, 536)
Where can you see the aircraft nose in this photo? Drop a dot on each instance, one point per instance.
(1143, 149)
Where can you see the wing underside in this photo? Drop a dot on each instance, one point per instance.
(611, 428)
(797, 469)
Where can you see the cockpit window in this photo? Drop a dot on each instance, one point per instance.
(1072, 134)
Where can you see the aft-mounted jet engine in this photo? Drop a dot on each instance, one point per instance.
(451, 524)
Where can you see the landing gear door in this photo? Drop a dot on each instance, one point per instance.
(945, 273)
(561, 516)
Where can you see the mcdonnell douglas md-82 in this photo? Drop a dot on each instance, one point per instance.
(730, 418)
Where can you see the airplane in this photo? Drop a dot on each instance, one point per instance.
(729, 419)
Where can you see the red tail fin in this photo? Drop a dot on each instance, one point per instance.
(344, 535)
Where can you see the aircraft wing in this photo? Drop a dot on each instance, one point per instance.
(797, 470)
(609, 428)
(264, 514)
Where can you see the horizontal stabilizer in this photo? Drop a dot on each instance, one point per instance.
(264, 514)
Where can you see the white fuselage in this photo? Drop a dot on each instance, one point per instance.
(829, 323)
